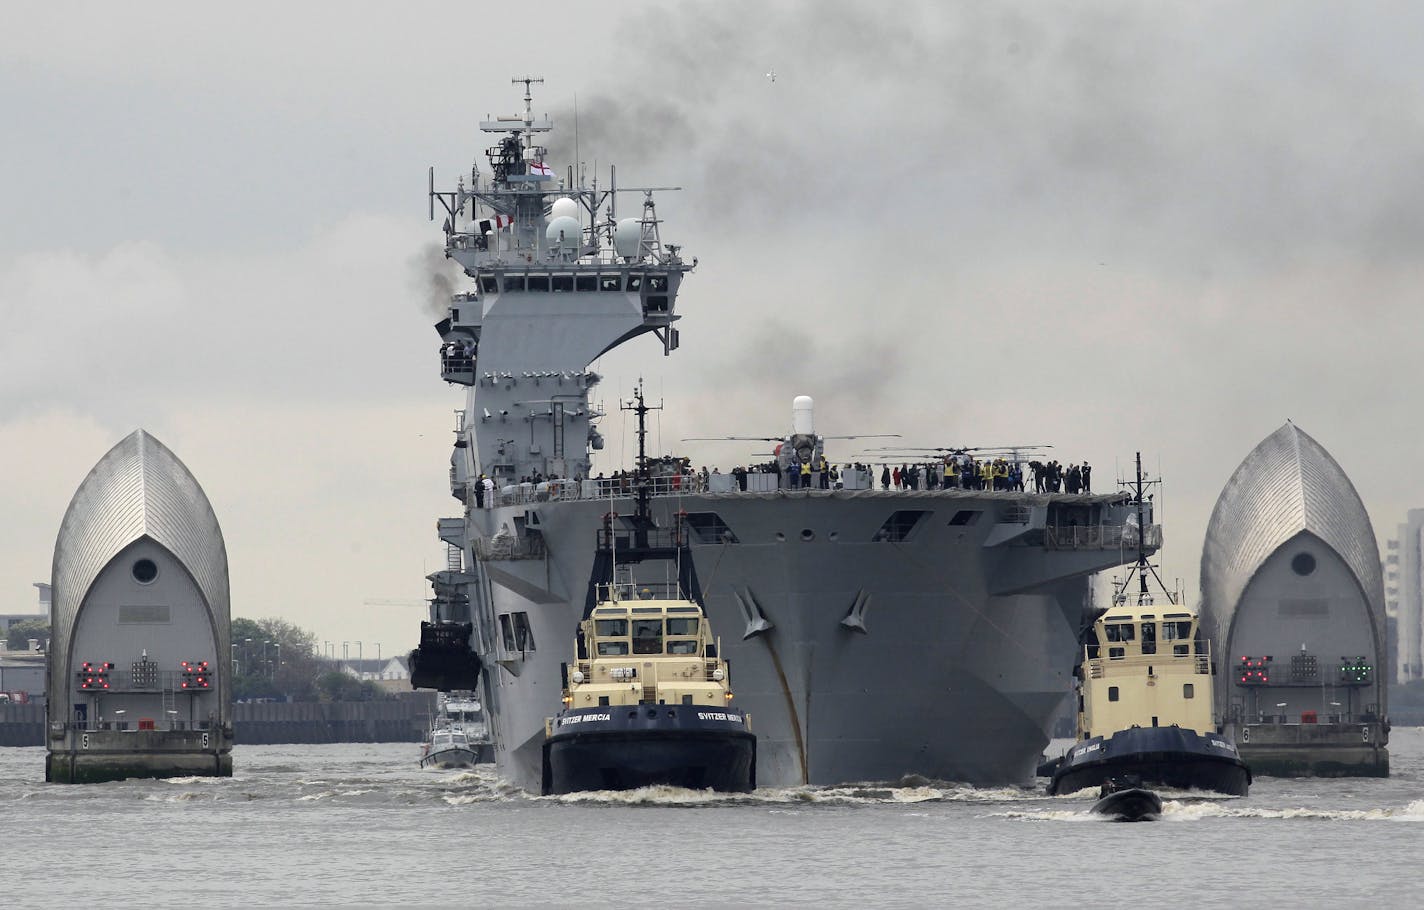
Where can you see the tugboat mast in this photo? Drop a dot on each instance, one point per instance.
(643, 480)
(1143, 566)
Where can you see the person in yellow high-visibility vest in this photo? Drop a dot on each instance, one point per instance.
(806, 474)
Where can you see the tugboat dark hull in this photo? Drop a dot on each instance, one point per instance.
(1170, 757)
(623, 748)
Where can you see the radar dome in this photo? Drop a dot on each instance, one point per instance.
(628, 237)
(566, 226)
(803, 411)
(563, 207)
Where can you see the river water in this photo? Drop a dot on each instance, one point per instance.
(362, 825)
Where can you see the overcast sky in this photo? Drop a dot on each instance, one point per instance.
(1104, 226)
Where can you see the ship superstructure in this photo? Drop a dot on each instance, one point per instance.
(875, 632)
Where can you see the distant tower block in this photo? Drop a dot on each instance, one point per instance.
(139, 681)
(1293, 593)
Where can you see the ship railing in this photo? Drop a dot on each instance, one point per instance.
(507, 546)
(1098, 666)
(1098, 537)
(597, 488)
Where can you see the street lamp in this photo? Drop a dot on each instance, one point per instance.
(345, 651)
(378, 650)
(235, 666)
(359, 654)
(279, 659)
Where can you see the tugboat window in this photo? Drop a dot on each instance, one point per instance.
(681, 625)
(1188, 690)
(647, 636)
(686, 646)
(611, 628)
(1120, 631)
(1178, 629)
(145, 571)
(612, 648)
(1149, 638)
(1112, 693)
(1303, 564)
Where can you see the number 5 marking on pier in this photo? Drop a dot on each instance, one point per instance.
(205, 740)
(84, 740)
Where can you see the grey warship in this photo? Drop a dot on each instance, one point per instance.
(873, 633)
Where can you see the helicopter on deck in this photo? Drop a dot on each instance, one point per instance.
(803, 445)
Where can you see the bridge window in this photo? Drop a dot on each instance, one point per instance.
(1120, 631)
(635, 282)
(610, 283)
(657, 304)
(611, 628)
(563, 283)
(513, 283)
(586, 283)
(657, 283)
(1176, 629)
(681, 625)
(647, 636)
(506, 632)
(489, 285)
(538, 283)
(900, 525)
(965, 517)
(687, 646)
(612, 648)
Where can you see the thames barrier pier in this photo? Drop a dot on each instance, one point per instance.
(138, 678)
(1292, 588)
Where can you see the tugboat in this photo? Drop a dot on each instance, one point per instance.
(647, 701)
(1145, 696)
(458, 736)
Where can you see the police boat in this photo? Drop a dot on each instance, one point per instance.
(647, 701)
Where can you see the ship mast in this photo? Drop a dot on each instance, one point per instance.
(643, 480)
(1143, 566)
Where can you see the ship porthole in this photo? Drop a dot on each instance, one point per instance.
(144, 571)
(780, 536)
(833, 536)
(1303, 564)
(807, 534)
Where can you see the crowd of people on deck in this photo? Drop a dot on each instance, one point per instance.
(959, 471)
(458, 356)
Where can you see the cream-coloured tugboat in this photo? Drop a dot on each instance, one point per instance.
(1145, 698)
(647, 700)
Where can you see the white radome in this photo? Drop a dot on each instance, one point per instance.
(628, 237)
(565, 232)
(563, 207)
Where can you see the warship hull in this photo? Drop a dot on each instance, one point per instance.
(941, 649)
